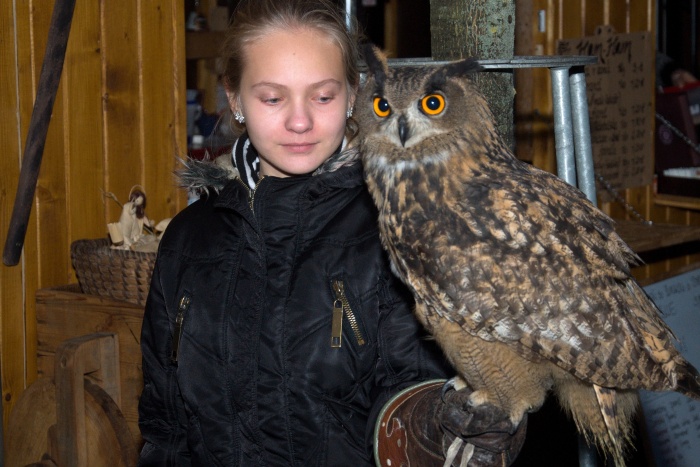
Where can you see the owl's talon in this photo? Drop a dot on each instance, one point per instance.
(456, 383)
(447, 387)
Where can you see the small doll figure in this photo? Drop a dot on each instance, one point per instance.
(129, 229)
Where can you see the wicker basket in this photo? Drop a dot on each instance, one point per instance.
(107, 272)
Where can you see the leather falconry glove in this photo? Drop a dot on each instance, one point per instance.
(422, 427)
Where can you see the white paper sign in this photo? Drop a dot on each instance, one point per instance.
(673, 420)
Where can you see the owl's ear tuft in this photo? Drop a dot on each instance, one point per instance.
(377, 64)
(462, 67)
(457, 69)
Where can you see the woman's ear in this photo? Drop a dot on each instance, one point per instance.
(233, 101)
(352, 95)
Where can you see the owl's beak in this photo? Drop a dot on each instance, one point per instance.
(403, 130)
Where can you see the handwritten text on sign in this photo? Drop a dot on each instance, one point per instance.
(619, 91)
(673, 420)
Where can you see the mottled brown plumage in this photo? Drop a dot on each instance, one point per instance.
(521, 280)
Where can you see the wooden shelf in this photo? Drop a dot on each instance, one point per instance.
(642, 238)
(674, 201)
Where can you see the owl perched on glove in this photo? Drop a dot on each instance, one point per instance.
(521, 280)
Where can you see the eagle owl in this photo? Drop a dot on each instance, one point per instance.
(520, 279)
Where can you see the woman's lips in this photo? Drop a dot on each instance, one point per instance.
(299, 148)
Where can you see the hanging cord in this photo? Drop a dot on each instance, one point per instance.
(679, 133)
(618, 197)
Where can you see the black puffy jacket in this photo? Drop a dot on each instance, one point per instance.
(243, 363)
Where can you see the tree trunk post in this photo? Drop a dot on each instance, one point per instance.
(484, 29)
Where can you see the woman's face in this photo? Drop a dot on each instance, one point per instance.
(294, 97)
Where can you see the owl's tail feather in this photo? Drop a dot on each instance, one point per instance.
(615, 432)
(603, 416)
(688, 382)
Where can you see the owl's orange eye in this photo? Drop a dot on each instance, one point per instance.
(432, 104)
(381, 107)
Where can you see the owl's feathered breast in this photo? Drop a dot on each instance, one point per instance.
(512, 254)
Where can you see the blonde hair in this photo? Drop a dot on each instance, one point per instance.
(255, 18)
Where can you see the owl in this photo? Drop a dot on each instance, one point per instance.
(523, 283)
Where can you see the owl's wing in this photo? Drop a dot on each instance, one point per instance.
(525, 259)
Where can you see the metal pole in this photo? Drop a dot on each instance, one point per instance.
(568, 92)
(348, 12)
(586, 454)
(582, 135)
(563, 133)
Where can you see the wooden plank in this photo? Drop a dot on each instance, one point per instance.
(570, 18)
(642, 15)
(82, 158)
(643, 238)
(653, 215)
(677, 216)
(683, 202)
(18, 320)
(11, 280)
(179, 115)
(76, 358)
(64, 313)
(618, 14)
(533, 109)
(668, 274)
(162, 106)
(123, 116)
(596, 13)
(543, 154)
(660, 216)
(636, 198)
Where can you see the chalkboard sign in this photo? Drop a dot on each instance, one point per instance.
(673, 420)
(619, 92)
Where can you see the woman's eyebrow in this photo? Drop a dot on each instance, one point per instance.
(282, 86)
(325, 82)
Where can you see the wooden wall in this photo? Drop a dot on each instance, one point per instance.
(118, 121)
(534, 131)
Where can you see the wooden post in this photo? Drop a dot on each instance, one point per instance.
(484, 29)
(96, 354)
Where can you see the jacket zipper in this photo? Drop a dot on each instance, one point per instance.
(341, 306)
(251, 191)
(179, 321)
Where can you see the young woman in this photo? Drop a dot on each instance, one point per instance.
(275, 331)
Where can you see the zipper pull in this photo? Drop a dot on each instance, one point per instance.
(179, 319)
(337, 323)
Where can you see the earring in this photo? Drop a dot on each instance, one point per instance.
(239, 117)
(349, 113)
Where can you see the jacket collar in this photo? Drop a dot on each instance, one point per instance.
(243, 163)
(246, 160)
